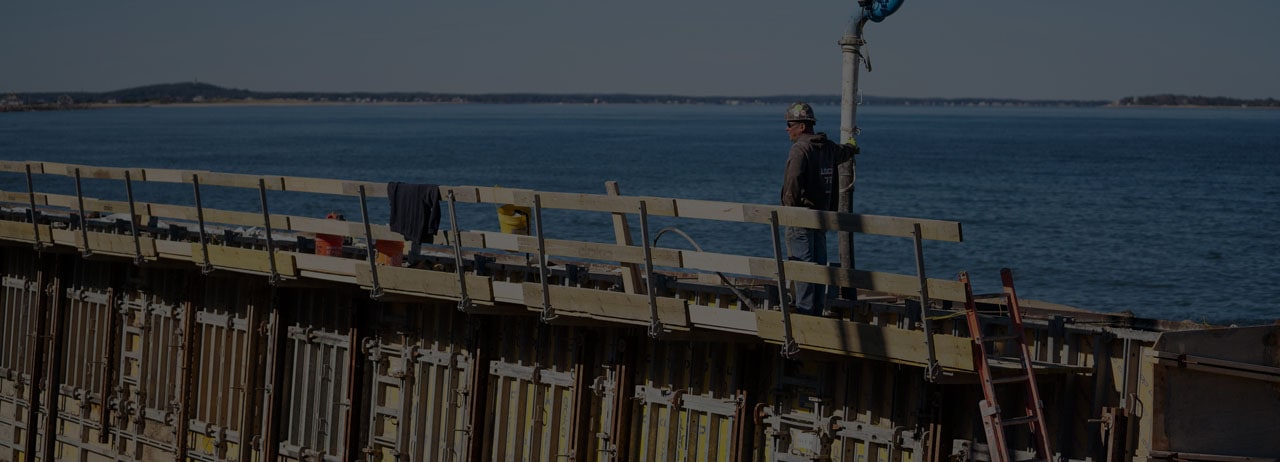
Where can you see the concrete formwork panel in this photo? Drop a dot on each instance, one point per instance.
(149, 387)
(419, 384)
(316, 400)
(688, 401)
(223, 374)
(18, 326)
(1211, 392)
(532, 389)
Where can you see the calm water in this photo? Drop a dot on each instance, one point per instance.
(1168, 213)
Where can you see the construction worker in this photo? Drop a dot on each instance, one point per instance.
(810, 181)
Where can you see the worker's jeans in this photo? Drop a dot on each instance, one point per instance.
(809, 245)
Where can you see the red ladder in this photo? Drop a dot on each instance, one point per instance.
(992, 419)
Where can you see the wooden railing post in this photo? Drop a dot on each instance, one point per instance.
(622, 235)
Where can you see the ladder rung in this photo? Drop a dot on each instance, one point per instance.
(999, 338)
(1026, 419)
(1006, 361)
(1009, 379)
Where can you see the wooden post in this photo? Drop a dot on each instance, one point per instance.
(622, 233)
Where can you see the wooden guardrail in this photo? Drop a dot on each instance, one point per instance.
(668, 314)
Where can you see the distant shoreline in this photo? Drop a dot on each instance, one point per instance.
(185, 94)
(290, 103)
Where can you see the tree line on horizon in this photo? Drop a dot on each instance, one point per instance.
(1185, 100)
(196, 92)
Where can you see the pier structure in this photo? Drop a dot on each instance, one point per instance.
(135, 330)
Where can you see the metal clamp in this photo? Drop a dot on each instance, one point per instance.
(932, 370)
(266, 227)
(205, 267)
(84, 219)
(655, 324)
(789, 346)
(548, 313)
(35, 216)
(464, 303)
(371, 250)
(133, 220)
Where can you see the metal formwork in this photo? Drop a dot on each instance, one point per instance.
(317, 393)
(689, 402)
(224, 377)
(91, 335)
(18, 330)
(419, 385)
(847, 410)
(147, 397)
(531, 389)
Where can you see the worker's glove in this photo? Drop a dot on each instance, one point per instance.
(852, 146)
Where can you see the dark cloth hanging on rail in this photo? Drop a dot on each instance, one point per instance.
(415, 210)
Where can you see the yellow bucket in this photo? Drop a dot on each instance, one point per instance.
(513, 219)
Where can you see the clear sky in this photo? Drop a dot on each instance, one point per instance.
(1030, 49)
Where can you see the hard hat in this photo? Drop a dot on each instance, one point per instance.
(800, 112)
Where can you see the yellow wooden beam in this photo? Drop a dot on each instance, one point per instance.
(117, 244)
(24, 232)
(410, 281)
(609, 306)
(251, 260)
(867, 341)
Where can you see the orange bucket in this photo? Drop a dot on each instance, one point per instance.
(329, 244)
(390, 253)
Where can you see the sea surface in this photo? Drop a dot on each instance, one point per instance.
(1166, 213)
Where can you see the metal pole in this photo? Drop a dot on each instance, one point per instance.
(133, 220)
(931, 371)
(851, 49)
(544, 274)
(464, 303)
(35, 215)
(266, 227)
(205, 266)
(84, 220)
(651, 283)
(370, 246)
(789, 346)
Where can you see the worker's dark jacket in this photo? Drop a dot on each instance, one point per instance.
(810, 178)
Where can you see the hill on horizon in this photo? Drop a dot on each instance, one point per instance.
(201, 92)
